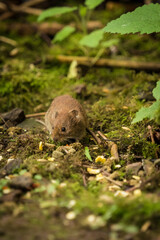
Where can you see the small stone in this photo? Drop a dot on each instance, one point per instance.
(57, 154)
(6, 190)
(91, 218)
(71, 215)
(141, 173)
(52, 166)
(137, 192)
(136, 177)
(120, 193)
(113, 188)
(117, 166)
(71, 203)
(14, 117)
(148, 167)
(80, 89)
(105, 198)
(10, 160)
(9, 150)
(95, 221)
(63, 184)
(133, 168)
(22, 182)
(134, 182)
(71, 151)
(11, 165)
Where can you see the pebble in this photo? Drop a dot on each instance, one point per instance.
(71, 215)
(57, 154)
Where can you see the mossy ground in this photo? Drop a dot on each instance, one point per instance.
(66, 201)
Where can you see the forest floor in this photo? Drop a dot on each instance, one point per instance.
(54, 191)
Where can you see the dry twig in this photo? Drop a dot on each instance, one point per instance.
(143, 184)
(34, 115)
(8, 41)
(152, 138)
(97, 139)
(4, 121)
(106, 175)
(24, 7)
(111, 62)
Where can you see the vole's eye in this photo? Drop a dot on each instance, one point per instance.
(63, 129)
(52, 127)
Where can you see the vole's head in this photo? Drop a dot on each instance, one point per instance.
(67, 126)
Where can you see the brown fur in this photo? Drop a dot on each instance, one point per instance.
(66, 113)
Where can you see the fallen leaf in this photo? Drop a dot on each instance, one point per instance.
(41, 146)
(87, 154)
(100, 159)
(73, 70)
(93, 171)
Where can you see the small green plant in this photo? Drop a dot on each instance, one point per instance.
(143, 19)
(87, 154)
(152, 112)
(91, 40)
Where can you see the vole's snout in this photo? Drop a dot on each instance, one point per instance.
(55, 139)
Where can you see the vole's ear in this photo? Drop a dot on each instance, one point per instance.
(54, 115)
(74, 113)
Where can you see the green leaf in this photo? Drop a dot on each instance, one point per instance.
(64, 33)
(156, 91)
(145, 112)
(154, 108)
(110, 43)
(140, 115)
(93, 3)
(38, 177)
(50, 12)
(145, 19)
(82, 10)
(23, 171)
(92, 40)
(87, 154)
